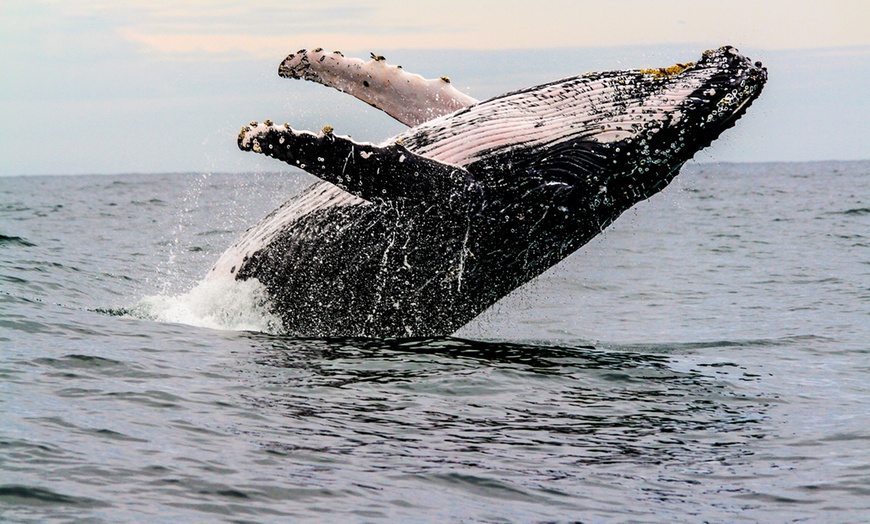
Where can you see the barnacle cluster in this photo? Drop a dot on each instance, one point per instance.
(667, 72)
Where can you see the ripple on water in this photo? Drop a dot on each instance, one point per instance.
(514, 417)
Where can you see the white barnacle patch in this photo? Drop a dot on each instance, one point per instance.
(402, 158)
(365, 154)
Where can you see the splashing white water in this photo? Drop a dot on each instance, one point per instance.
(215, 304)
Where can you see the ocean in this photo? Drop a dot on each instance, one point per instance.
(705, 359)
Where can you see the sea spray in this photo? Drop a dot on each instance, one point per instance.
(216, 304)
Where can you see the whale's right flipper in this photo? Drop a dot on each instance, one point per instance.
(407, 97)
(369, 171)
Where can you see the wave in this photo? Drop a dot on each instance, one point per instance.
(15, 494)
(15, 241)
(215, 304)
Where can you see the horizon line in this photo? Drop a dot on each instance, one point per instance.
(294, 170)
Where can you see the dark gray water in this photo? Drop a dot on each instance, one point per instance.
(704, 360)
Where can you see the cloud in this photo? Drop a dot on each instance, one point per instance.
(261, 27)
(502, 24)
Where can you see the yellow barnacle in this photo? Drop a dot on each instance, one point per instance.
(268, 122)
(400, 142)
(667, 72)
(286, 125)
(327, 130)
(317, 50)
(244, 130)
(254, 124)
(377, 58)
(446, 79)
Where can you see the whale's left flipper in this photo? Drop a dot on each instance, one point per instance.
(407, 97)
(369, 171)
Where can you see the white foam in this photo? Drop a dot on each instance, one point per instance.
(216, 304)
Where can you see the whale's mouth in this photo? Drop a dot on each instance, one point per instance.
(700, 98)
(695, 105)
(688, 107)
(711, 95)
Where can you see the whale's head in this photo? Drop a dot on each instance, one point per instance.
(603, 140)
(666, 116)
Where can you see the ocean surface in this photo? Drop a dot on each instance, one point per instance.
(706, 359)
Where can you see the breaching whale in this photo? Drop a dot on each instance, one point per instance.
(418, 235)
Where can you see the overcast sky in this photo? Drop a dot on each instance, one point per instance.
(107, 86)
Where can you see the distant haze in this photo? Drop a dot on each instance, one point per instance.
(108, 87)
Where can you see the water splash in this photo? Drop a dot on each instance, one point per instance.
(215, 304)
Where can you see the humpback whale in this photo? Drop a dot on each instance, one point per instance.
(419, 234)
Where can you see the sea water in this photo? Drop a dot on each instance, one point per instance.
(706, 359)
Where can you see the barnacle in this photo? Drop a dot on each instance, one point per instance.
(667, 72)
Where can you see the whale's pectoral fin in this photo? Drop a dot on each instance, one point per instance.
(407, 97)
(375, 173)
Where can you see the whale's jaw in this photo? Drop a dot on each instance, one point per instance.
(689, 107)
(727, 84)
(696, 104)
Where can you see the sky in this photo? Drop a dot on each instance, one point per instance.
(109, 86)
